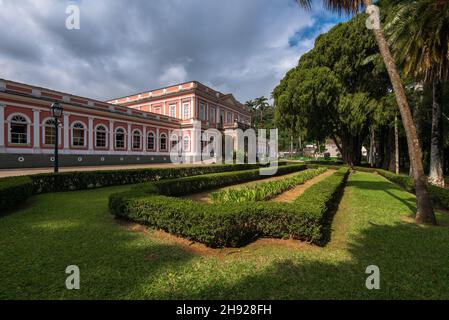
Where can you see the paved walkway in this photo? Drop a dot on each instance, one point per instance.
(24, 172)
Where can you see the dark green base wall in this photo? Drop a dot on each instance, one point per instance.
(12, 161)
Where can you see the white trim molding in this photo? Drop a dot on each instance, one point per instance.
(2, 126)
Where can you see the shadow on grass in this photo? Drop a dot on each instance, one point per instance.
(56, 231)
(387, 187)
(413, 264)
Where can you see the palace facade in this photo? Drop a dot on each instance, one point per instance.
(136, 129)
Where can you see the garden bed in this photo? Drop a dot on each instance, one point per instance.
(222, 225)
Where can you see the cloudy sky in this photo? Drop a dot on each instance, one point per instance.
(127, 46)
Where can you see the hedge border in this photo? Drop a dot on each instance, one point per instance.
(217, 225)
(14, 190)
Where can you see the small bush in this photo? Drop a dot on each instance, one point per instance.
(13, 191)
(218, 225)
(196, 184)
(264, 191)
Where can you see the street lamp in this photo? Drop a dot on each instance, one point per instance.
(56, 113)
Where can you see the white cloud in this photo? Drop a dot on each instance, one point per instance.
(173, 74)
(129, 46)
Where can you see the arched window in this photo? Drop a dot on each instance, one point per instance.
(78, 135)
(163, 142)
(136, 139)
(49, 132)
(150, 141)
(120, 138)
(19, 127)
(186, 143)
(173, 141)
(101, 137)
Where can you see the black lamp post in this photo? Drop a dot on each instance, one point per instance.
(56, 113)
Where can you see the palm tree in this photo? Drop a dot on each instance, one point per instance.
(261, 104)
(420, 33)
(425, 213)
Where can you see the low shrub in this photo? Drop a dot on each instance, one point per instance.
(266, 190)
(218, 225)
(14, 191)
(195, 184)
(70, 181)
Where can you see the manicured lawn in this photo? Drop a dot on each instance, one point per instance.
(372, 226)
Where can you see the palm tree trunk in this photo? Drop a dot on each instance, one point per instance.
(436, 160)
(425, 213)
(396, 145)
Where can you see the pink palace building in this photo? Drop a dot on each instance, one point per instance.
(136, 129)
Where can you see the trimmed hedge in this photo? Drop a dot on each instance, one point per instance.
(265, 190)
(218, 225)
(14, 191)
(70, 181)
(196, 184)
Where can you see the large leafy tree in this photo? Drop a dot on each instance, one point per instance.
(335, 88)
(425, 213)
(419, 32)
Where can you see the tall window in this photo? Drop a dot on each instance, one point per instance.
(212, 115)
(173, 141)
(49, 132)
(151, 141)
(100, 137)
(186, 143)
(229, 117)
(186, 111)
(19, 130)
(202, 111)
(163, 142)
(120, 138)
(136, 139)
(78, 135)
(173, 111)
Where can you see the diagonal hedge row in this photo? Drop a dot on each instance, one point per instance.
(218, 225)
(264, 191)
(14, 190)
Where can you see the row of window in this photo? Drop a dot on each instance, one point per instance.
(19, 132)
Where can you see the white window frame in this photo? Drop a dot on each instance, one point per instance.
(44, 126)
(154, 140)
(124, 138)
(28, 124)
(170, 109)
(186, 106)
(84, 134)
(163, 134)
(140, 139)
(106, 136)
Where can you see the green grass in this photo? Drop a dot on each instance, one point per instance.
(372, 226)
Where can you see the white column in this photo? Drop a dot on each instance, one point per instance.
(66, 131)
(111, 135)
(36, 130)
(91, 134)
(144, 139)
(196, 141)
(157, 140)
(129, 137)
(2, 126)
